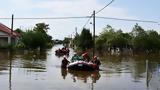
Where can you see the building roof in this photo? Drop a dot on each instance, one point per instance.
(8, 31)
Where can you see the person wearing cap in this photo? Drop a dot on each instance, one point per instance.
(96, 62)
(65, 62)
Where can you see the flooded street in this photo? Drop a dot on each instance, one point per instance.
(42, 71)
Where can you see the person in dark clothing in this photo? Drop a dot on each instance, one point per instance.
(64, 63)
(97, 62)
(64, 72)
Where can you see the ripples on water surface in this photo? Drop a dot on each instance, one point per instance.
(44, 73)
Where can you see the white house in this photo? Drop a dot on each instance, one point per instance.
(7, 35)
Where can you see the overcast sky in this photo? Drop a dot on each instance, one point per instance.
(128, 9)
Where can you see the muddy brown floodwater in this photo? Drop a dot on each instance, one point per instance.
(33, 70)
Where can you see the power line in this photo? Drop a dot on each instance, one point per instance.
(104, 7)
(96, 13)
(133, 20)
(50, 17)
(87, 21)
(81, 17)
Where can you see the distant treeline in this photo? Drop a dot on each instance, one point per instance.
(138, 40)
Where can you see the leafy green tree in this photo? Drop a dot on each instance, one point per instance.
(153, 41)
(18, 30)
(103, 42)
(111, 38)
(76, 40)
(85, 40)
(140, 38)
(121, 40)
(33, 39)
(37, 37)
(137, 30)
(41, 27)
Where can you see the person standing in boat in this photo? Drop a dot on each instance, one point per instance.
(86, 56)
(96, 62)
(65, 62)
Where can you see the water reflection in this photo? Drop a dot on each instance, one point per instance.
(121, 65)
(10, 71)
(81, 75)
(30, 54)
(30, 61)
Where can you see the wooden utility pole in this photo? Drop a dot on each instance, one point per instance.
(10, 60)
(93, 33)
(12, 24)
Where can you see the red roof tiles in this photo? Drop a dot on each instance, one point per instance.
(7, 30)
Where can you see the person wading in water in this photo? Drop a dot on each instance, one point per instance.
(64, 63)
